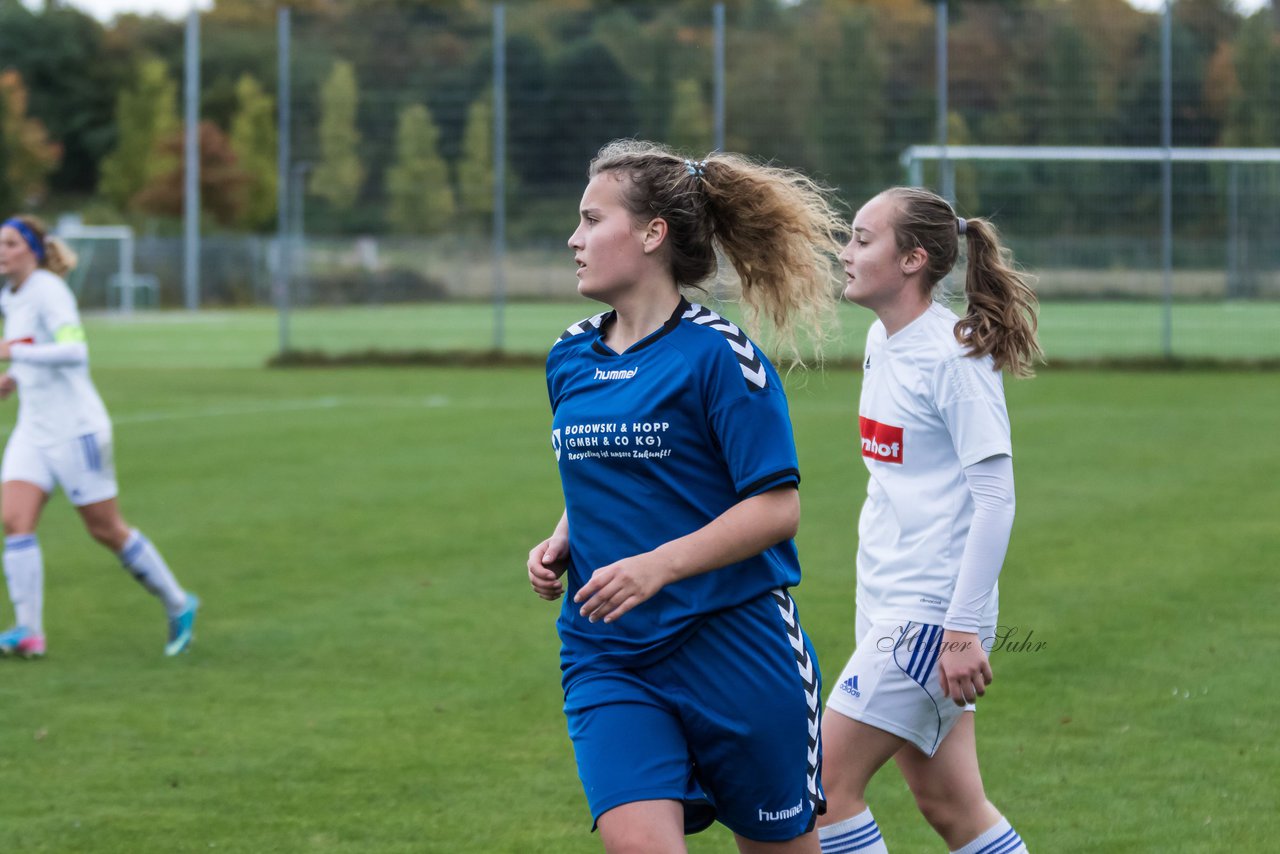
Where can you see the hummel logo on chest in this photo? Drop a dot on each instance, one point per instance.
(615, 375)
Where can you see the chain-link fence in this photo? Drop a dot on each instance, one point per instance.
(392, 127)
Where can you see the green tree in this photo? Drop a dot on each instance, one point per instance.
(26, 154)
(1253, 117)
(849, 115)
(339, 174)
(146, 114)
(585, 117)
(73, 80)
(222, 182)
(253, 139)
(475, 168)
(421, 200)
(690, 129)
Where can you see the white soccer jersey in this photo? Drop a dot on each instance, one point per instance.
(927, 411)
(56, 403)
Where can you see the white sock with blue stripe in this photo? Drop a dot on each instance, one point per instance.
(143, 560)
(24, 571)
(1000, 839)
(859, 834)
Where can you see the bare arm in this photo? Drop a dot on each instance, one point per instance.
(548, 560)
(744, 530)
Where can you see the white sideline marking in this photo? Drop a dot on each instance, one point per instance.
(433, 402)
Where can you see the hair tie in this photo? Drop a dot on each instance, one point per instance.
(697, 168)
(28, 235)
(962, 225)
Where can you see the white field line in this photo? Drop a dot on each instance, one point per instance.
(300, 405)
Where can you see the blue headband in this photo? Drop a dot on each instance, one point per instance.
(36, 244)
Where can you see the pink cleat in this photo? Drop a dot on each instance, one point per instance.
(22, 642)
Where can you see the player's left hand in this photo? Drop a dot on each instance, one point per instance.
(5, 352)
(963, 667)
(617, 588)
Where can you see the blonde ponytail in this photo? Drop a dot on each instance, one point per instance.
(775, 226)
(59, 257)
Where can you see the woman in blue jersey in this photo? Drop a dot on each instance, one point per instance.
(62, 438)
(935, 525)
(691, 692)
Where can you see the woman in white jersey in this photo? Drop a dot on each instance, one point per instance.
(62, 438)
(936, 522)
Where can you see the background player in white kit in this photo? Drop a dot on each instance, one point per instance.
(935, 526)
(62, 438)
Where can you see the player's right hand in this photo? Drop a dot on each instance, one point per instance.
(549, 560)
(7, 386)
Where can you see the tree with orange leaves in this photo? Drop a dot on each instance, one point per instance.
(26, 154)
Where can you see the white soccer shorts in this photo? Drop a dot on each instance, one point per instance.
(891, 682)
(84, 467)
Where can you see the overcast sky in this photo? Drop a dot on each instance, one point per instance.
(104, 10)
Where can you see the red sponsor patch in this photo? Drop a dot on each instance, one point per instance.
(880, 441)
(27, 340)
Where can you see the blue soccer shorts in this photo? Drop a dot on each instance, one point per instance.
(727, 725)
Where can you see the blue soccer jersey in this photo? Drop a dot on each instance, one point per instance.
(653, 444)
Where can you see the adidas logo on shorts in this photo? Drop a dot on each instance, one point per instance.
(850, 687)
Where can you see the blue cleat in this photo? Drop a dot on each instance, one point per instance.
(21, 641)
(182, 627)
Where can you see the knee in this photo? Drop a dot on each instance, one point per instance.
(16, 524)
(947, 812)
(845, 791)
(838, 778)
(631, 840)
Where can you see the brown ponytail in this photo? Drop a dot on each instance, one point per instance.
(1001, 318)
(775, 226)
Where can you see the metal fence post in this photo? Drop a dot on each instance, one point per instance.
(282, 176)
(499, 173)
(191, 196)
(717, 17)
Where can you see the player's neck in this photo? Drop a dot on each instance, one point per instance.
(19, 278)
(638, 316)
(900, 314)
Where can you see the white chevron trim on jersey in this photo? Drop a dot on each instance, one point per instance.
(581, 326)
(804, 664)
(748, 360)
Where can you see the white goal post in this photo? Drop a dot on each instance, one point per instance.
(126, 280)
(914, 158)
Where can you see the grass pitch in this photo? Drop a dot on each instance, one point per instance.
(372, 673)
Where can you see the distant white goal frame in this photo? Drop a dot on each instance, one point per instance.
(914, 157)
(128, 281)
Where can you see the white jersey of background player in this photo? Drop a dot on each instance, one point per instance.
(935, 526)
(62, 438)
